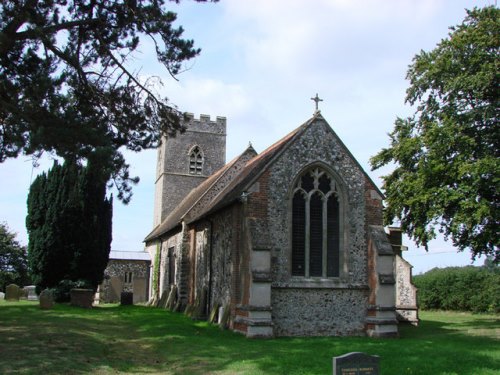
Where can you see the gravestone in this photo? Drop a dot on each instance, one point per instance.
(126, 298)
(12, 292)
(356, 363)
(2, 296)
(82, 297)
(31, 293)
(171, 298)
(46, 300)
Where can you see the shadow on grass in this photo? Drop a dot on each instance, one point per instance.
(137, 339)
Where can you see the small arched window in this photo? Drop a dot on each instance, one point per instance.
(196, 161)
(315, 225)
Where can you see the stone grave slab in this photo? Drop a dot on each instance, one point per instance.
(12, 292)
(82, 297)
(30, 289)
(46, 300)
(356, 363)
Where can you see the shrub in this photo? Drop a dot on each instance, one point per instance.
(475, 289)
(61, 292)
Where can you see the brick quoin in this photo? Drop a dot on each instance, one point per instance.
(373, 206)
(258, 201)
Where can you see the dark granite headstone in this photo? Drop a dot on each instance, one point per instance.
(356, 364)
(127, 298)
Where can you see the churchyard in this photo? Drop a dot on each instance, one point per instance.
(113, 339)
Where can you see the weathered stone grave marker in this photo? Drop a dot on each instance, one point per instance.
(46, 300)
(12, 292)
(31, 293)
(126, 298)
(356, 363)
(82, 298)
(2, 296)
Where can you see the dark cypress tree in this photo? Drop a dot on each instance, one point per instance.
(92, 254)
(69, 224)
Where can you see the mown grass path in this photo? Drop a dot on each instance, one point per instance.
(139, 340)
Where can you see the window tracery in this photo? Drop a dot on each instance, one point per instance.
(196, 161)
(315, 225)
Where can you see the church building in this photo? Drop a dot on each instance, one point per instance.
(288, 242)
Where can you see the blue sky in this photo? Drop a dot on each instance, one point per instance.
(261, 62)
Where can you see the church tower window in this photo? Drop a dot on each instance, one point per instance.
(315, 225)
(196, 161)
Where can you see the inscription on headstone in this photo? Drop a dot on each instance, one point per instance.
(356, 363)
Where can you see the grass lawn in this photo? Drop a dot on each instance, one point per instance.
(133, 339)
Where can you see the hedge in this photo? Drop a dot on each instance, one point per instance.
(470, 288)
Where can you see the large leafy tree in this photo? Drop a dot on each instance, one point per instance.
(13, 259)
(446, 156)
(69, 224)
(66, 81)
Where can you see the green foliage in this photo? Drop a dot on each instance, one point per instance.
(475, 289)
(156, 270)
(67, 85)
(69, 224)
(447, 173)
(13, 259)
(61, 292)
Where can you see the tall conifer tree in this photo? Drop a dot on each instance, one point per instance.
(69, 224)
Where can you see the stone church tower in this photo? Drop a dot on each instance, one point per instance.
(187, 160)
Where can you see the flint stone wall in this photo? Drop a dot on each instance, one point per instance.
(113, 283)
(299, 308)
(318, 312)
(222, 245)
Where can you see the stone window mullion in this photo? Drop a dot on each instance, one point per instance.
(308, 234)
(325, 236)
(316, 226)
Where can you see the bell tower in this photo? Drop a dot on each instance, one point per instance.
(186, 160)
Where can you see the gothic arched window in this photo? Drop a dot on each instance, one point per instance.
(315, 225)
(195, 161)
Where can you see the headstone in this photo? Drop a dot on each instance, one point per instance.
(82, 297)
(46, 300)
(171, 298)
(214, 314)
(126, 298)
(356, 363)
(2, 296)
(163, 300)
(199, 305)
(12, 292)
(30, 289)
(224, 317)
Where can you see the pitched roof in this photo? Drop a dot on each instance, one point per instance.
(227, 185)
(197, 194)
(129, 255)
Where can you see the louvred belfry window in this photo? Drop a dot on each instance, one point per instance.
(315, 225)
(196, 161)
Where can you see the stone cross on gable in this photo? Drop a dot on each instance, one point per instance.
(316, 99)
